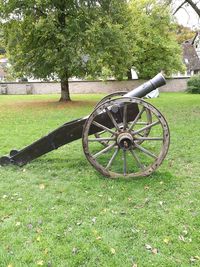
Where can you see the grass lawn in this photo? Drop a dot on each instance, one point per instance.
(58, 211)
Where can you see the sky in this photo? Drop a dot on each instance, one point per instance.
(188, 17)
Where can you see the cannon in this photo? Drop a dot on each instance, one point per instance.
(123, 136)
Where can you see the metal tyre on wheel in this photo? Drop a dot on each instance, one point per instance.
(125, 154)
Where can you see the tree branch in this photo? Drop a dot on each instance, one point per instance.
(179, 7)
(194, 6)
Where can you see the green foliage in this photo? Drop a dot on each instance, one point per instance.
(183, 33)
(155, 46)
(193, 85)
(67, 38)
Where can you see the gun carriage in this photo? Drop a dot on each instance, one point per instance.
(123, 136)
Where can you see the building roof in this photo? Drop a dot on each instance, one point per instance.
(190, 56)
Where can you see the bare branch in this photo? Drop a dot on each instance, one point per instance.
(179, 7)
(194, 6)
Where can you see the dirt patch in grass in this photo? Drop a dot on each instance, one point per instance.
(46, 104)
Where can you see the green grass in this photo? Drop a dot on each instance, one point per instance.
(58, 211)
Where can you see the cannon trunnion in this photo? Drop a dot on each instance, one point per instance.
(123, 136)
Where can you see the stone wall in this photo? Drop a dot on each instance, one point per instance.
(77, 87)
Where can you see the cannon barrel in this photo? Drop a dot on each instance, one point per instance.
(72, 131)
(147, 87)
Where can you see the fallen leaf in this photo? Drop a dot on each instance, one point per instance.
(134, 265)
(98, 238)
(46, 251)
(94, 220)
(112, 250)
(181, 237)
(75, 250)
(95, 232)
(38, 238)
(30, 226)
(154, 251)
(5, 217)
(18, 223)
(166, 240)
(123, 212)
(134, 230)
(192, 259)
(146, 187)
(42, 186)
(40, 262)
(40, 222)
(38, 230)
(161, 203)
(148, 247)
(10, 265)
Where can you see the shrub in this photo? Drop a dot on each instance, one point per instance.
(193, 85)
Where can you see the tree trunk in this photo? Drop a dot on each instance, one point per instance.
(65, 96)
(129, 75)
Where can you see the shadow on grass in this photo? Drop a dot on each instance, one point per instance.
(81, 165)
(49, 104)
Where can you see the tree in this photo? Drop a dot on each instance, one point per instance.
(183, 33)
(66, 38)
(2, 45)
(155, 46)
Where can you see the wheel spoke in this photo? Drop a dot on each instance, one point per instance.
(141, 123)
(101, 139)
(103, 151)
(125, 117)
(149, 138)
(112, 119)
(145, 151)
(137, 118)
(146, 127)
(100, 133)
(112, 158)
(124, 162)
(103, 127)
(140, 165)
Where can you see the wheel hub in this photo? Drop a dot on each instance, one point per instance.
(125, 140)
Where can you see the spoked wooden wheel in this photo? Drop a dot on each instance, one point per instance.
(146, 122)
(124, 154)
